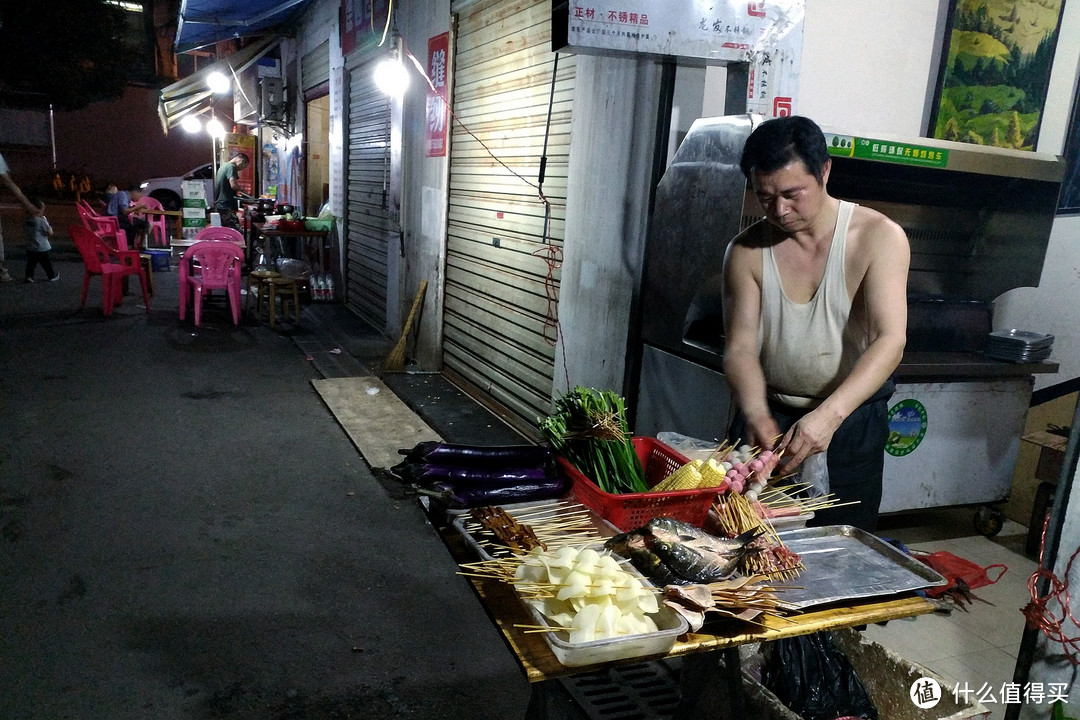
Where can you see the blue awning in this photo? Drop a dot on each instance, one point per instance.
(204, 22)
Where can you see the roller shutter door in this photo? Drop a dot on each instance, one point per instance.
(315, 69)
(498, 323)
(369, 226)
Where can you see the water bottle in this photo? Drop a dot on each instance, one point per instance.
(320, 288)
(329, 286)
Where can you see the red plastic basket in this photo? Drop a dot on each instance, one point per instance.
(627, 511)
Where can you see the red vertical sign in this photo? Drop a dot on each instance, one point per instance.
(438, 111)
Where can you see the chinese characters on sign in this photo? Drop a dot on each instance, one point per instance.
(438, 113)
(1035, 693)
(355, 20)
(889, 151)
(767, 35)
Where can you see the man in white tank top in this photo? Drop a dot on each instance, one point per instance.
(815, 316)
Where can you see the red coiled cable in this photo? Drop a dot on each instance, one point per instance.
(1037, 612)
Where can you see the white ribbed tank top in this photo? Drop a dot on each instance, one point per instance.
(808, 349)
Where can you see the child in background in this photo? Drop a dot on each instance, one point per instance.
(37, 231)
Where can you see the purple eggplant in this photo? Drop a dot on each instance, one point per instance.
(464, 478)
(458, 499)
(477, 455)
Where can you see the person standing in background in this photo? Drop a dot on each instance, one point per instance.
(6, 181)
(227, 189)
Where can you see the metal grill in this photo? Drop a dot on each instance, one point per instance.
(642, 691)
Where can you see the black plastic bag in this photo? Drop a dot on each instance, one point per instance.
(817, 681)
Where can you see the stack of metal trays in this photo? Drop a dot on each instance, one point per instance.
(1020, 346)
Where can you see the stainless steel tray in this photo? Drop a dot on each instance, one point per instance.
(845, 563)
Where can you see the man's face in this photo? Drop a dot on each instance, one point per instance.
(791, 196)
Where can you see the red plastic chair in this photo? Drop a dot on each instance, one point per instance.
(112, 265)
(206, 266)
(155, 223)
(106, 227)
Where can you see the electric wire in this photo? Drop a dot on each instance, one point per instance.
(551, 253)
(1037, 612)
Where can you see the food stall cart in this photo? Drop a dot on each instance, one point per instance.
(978, 219)
(541, 666)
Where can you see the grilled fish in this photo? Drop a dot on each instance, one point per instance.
(698, 566)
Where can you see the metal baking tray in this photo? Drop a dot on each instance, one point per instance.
(845, 563)
(1020, 339)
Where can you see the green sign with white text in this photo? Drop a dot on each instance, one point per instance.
(887, 151)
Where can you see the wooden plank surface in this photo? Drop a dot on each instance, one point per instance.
(375, 419)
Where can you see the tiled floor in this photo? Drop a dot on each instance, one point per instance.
(977, 647)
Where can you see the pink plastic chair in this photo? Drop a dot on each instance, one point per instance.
(156, 223)
(106, 227)
(222, 234)
(218, 268)
(112, 265)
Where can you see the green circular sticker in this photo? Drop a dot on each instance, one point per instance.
(907, 427)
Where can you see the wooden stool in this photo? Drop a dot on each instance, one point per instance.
(147, 262)
(284, 287)
(259, 281)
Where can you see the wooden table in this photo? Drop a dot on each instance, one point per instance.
(540, 666)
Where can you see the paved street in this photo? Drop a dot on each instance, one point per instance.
(187, 533)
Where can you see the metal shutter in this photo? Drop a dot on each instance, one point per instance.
(315, 68)
(495, 298)
(370, 229)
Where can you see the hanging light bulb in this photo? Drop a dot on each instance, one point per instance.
(218, 83)
(215, 128)
(191, 124)
(390, 74)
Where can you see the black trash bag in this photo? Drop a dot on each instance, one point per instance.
(812, 677)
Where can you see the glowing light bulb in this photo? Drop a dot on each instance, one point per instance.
(391, 77)
(215, 128)
(218, 83)
(191, 124)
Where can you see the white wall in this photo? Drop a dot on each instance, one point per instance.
(424, 188)
(870, 65)
(882, 81)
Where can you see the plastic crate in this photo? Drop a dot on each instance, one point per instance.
(159, 259)
(627, 511)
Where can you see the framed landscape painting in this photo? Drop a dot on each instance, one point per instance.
(995, 70)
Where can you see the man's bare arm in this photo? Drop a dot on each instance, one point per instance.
(742, 362)
(27, 205)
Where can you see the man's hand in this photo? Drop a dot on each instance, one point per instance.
(764, 432)
(810, 435)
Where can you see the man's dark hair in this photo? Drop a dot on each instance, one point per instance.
(775, 143)
(247, 158)
(35, 201)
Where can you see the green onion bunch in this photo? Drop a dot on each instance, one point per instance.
(589, 429)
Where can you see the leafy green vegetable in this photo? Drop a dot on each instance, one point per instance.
(589, 429)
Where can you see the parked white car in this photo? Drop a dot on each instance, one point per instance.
(167, 190)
